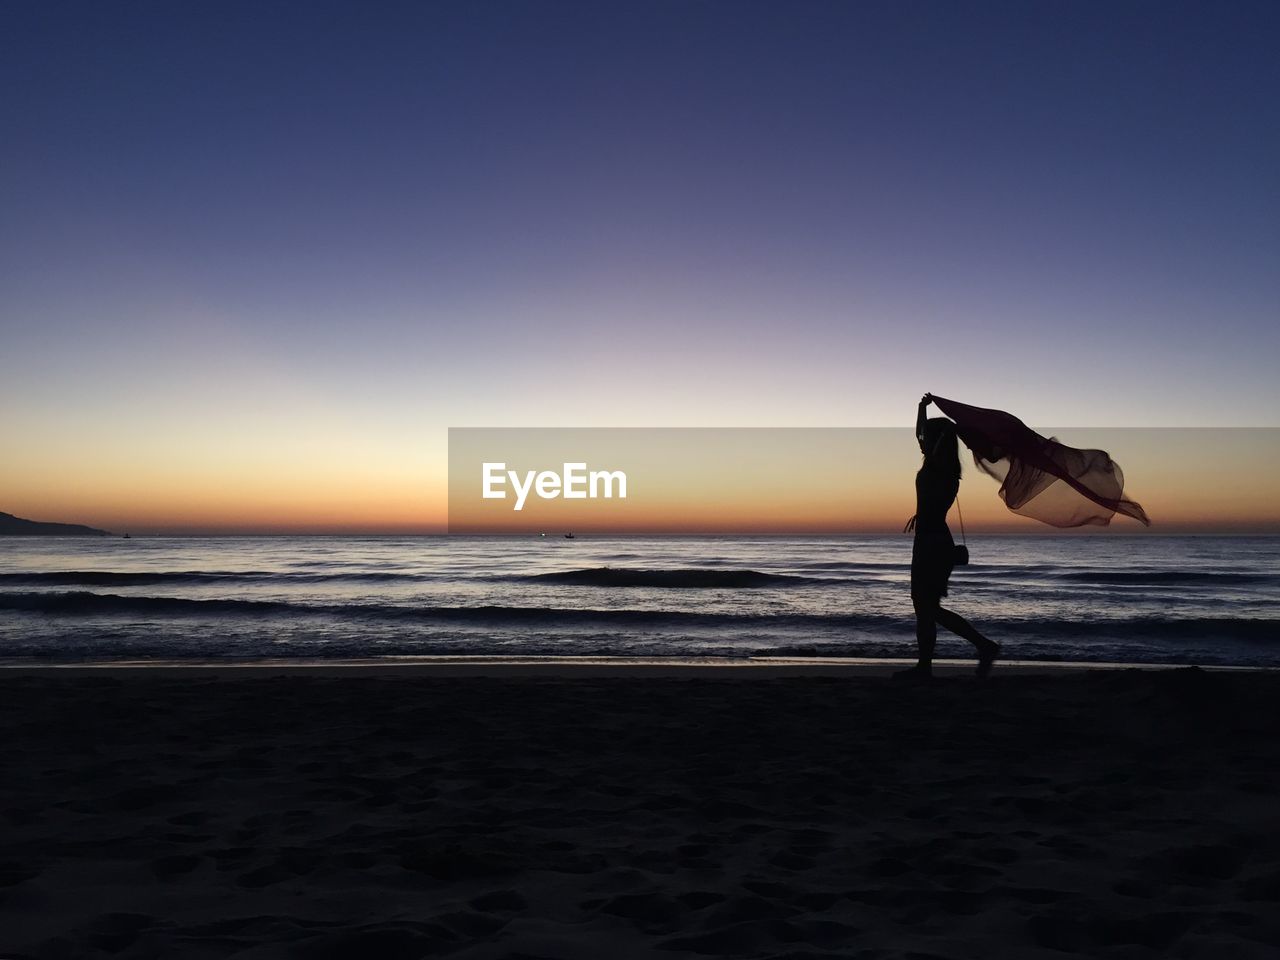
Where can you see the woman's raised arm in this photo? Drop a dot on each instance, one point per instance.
(921, 417)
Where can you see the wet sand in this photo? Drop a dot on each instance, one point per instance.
(601, 813)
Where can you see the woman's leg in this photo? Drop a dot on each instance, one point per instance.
(926, 630)
(987, 649)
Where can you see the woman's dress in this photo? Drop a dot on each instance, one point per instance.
(933, 550)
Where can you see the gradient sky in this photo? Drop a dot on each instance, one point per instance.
(256, 258)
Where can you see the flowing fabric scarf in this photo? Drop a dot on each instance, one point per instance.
(1040, 477)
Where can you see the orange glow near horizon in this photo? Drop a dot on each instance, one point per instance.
(1215, 481)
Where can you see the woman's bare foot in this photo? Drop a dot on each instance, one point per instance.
(920, 671)
(987, 659)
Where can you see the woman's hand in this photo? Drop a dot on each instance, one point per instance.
(926, 399)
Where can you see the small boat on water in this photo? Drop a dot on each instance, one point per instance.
(570, 536)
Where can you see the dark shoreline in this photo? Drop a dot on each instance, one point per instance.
(709, 667)
(1115, 813)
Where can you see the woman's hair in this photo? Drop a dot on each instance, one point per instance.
(941, 448)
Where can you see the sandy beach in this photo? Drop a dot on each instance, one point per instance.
(603, 813)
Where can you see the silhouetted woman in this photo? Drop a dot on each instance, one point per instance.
(933, 551)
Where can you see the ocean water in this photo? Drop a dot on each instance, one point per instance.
(1205, 600)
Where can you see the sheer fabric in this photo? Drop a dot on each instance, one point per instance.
(1040, 477)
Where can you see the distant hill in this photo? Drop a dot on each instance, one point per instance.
(11, 526)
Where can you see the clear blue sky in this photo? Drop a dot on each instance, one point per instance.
(227, 226)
